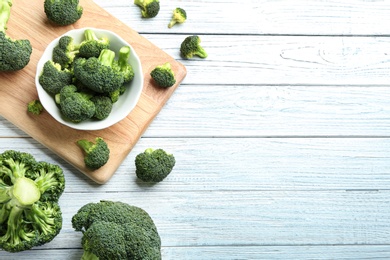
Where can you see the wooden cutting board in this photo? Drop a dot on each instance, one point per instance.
(28, 21)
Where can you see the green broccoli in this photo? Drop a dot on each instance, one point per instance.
(179, 16)
(29, 191)
(114, 96)
(53, 78)
(149, 8)
(96, 153)
(154, 165)
(35, 107)
(98, 74)
(163, 75)
(63, 12)
(117, 230)
(75, 106)
(103, 107)
(65, 51)
(91, 46)
(191, 47)
(123, 65)
(14, 54)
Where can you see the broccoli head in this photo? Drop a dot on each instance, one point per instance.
(163, 75)
(191, 47)
(29, 191)
(98, 74)
(117, 230)
(96, 153)
(149, 8)
(53, 78)
(14, 54)
(65, 51)
(123, 65)
(154, 165)
(179, 16)
(35, 107)
(91, 46)
(63, 12)
(103, 106)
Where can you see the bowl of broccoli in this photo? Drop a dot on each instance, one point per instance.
(89, 79)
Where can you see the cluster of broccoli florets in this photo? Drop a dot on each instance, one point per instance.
(86, 78)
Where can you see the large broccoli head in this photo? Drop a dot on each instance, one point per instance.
(191, 47)
(63, 12)
(29, 192)
(117, 230)
(154, 165)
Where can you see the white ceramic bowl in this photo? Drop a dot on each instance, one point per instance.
(121, 108)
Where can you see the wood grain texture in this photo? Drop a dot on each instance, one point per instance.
(29, 21)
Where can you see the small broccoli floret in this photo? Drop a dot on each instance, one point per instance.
(14, 54)
(149, 8)
(65, 51)
(96, 153)
(179, 16)
(163, 75)
(53, 78)
(117, 230)
(191, 47)
(63, 12)
(123, 65)
(103, 107)
(35, 107)
(91, 46)
(114, 96)
(29, 191)
(154, 165)
(98, 74)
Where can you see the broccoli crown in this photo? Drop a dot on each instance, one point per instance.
(35, 107)
(103, 107)
(149, 8)
(53, 78)
(179, 16)
(191, 47)
(91, 46)
(122, 64)
(163, 75)
(29, 191)
(63, 12)
(65, 51)
(98, 74)
(117, 230)
(154, 165)
(96, 153)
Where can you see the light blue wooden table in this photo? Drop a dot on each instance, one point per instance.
(281, 135)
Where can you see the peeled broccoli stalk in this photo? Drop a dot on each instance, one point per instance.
(191, 47)
(123, 65)
(29, 192)
(63, 12)
(98, 74)
(117, 230)
(65, 51)
(53, 78)
(35, 107)
(92, 46)
(179, 16)
(154, 165)
(14, 54)
(96, 153)
(149, 8)
(163, 75)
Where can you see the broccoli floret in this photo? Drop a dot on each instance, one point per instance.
(96, 153)
(123, 65)
(35, 107)
(179, 16)
(117, 230)
(163, 75)
(154, 165)
(14, 54)
(53, 78)
(149, 8)
(91, 46)
(103, 107)
(75, 106)
(29, 191)
(98, 74)
(191, 47)
(114, 96)
(63, 12)
(65, 51)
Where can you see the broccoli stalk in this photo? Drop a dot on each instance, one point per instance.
(63, 12)
(149, 8)
(123, 65)
(163, 75)
(179, 16)
(191, 47)
(14, 54)
(96, 153)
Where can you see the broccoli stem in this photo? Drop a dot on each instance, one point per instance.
(89, 256)
(5, 12)
(13, 223)
(107, 57)
(123, 57)
(25, 191)
(90, 35)
(85, 144)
